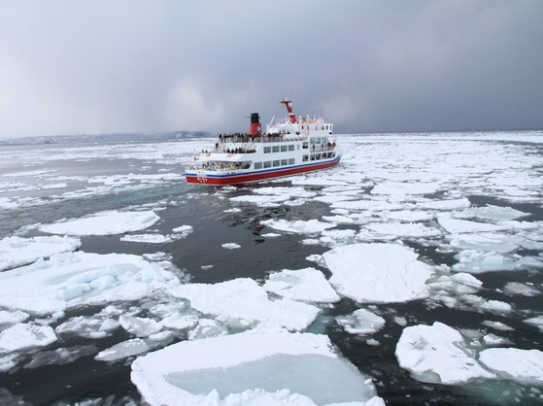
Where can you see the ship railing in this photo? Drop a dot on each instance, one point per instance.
(273, 137)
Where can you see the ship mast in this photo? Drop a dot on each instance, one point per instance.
(291, 114)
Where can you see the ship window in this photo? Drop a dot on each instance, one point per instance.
(284, 161)
(291, 161)
(305, 145)
(312, 157)
(291, 147)
(305, 158)
(318, 156)
(275, 148)
(267, 150)
(276, 163)
(283, 148)
(267, 164)
(258, 165)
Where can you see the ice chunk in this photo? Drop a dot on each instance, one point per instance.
(517, 288)
(437, 354)
(17, 251)
(464, 226)
(535, 321)
(17, 316)
(139, 326)
(445, 205)
(392, 188)
(407, 215)
(207, 328)
(395, 230)
(72, 279)
(525, 366)
(242, 303)
(61, 356)
(474, 261)
(147, 238)
(104, 223)
(21, 336)
(231, 245)
(497, 242)
(125, 349)
(490, 212)
(180, 322)
(381, 273)
(362, 321)
(307, 285)
(88, 327)
(182, 231)
(299, 226)
(271, 369)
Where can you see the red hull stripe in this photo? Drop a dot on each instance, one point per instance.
(230, 179)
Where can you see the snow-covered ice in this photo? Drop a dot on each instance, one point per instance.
(17, 251)
(312, 226)
(252, 369)
(361, 321)
(70, 279)
(25, 335)
(380, 273)
(104, 223)
(512, 363)
(308, 285)
(242, 303)
(437, 354)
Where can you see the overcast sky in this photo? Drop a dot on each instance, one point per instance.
(96, 66)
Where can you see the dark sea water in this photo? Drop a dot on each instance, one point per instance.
(86, 381)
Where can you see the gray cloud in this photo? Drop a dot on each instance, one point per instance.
(368, 66)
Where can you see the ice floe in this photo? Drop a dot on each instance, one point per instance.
(104, 223)
(147, 238)
(308, 285)
(361, 321)
(437, 354)
(255, 369)
(231, 245)
(312, 226)
(243, 304)
(25, 335)
(392, 188)
(17, 251)
(380, 273)
(61, 356)
(71, 279)
(512, 363)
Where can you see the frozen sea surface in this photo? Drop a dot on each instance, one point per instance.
(410, 274)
